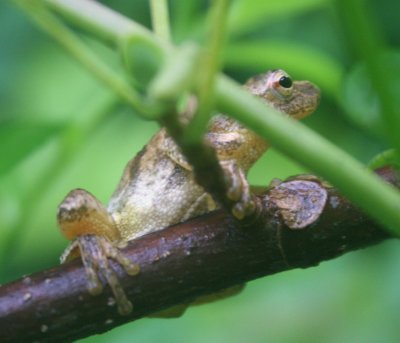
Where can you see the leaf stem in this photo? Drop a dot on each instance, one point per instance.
(160, 19)
(208, 71)
(68, 40)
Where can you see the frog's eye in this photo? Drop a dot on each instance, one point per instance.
(282, 84)
(285, 82)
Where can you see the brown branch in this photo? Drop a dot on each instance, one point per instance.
(183, 262)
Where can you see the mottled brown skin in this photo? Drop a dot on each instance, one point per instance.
(158, 188)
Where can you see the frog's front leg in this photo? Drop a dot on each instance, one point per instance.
(238, 189)
(84, 219)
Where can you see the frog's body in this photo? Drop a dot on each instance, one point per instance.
(146, 201)
(158, 188)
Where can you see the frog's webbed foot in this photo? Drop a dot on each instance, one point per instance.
(238, 189)
(95, 252)
(82, 217)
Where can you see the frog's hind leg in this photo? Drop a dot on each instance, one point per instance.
(81, 213)
(83, 218)
(179, 310)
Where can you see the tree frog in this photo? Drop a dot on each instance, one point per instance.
(158, 188)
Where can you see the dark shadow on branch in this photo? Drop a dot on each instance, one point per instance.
(186, 261)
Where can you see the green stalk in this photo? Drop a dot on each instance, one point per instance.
(160, 19)
(93, 17)
(209, 67)
(68, 40)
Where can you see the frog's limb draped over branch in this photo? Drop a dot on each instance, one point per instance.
(192, 259)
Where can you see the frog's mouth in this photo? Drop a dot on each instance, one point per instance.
(303, 101)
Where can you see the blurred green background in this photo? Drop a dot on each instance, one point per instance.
(60, 129)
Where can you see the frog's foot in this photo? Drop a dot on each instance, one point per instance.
(82, 217)
(238, 189)
(95, 252)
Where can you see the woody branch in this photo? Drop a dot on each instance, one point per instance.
(183, 262)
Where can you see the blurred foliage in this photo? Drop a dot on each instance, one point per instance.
(60, 129)
(360, 100)
(387, 157)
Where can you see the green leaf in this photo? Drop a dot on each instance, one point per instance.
(246, 15)
(18, 139)
(387, 157)
(360, 100)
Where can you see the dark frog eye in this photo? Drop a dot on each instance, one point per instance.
(281, 84)
(285, 82)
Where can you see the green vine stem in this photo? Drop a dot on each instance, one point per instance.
(378, 199)
(209, 67)
(64, 36)
(160, 19)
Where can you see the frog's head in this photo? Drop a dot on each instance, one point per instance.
(295, 98)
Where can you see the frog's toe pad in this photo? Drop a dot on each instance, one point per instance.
(94, 285)
(238, 190)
